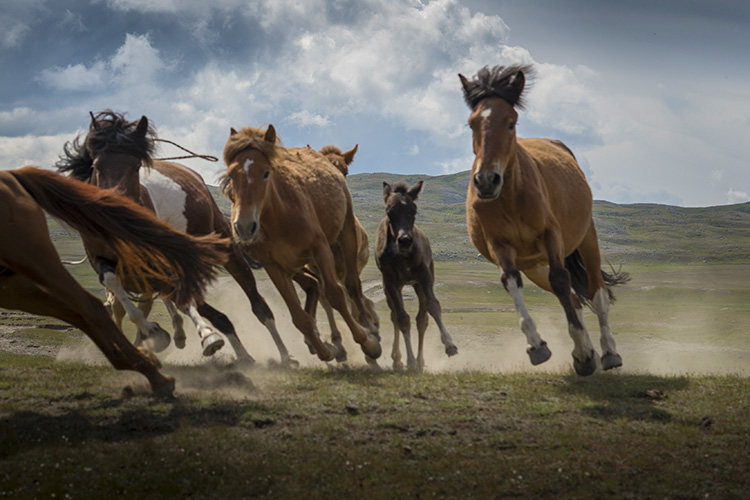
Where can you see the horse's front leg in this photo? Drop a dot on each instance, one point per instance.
(402, 323)
(505, 257)
(432, 305)
(158, 338)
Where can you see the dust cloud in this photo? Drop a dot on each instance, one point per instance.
(499, 351)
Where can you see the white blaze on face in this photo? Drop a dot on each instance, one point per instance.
(247, 170)
(167, 196)
(486, 113)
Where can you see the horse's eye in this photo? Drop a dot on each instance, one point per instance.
(511, 125)
(265, 176)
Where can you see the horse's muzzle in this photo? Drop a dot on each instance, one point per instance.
(246, 231)
(487, 185)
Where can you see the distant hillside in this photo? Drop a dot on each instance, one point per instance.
(627, 233)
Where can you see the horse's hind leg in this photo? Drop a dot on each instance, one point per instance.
(402, 323)
(55, 293)
(222, 323)
(599, 295)
(178, 335)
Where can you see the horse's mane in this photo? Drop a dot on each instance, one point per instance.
(400, 187)
(249, 138)
(496, 82)
(331, 149)
(108, 131)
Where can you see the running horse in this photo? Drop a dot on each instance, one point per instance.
(33, 279)
(404, 257)
(308, 279)
(289, 207)
(117, 153)
(529, 209)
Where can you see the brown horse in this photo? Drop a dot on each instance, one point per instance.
(289, 206)
(404, 257)
(308, 278)
(529, 208)
(33, 279)
(117, 153)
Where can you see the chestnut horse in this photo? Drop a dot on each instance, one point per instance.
(529, 209)
(32, 278)
(404, 257)
(289, 206)
(118, 153)
(308, 278)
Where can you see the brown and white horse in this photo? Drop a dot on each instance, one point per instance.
(117, 153)
(146, 250)
(289, 206)
(404, 257)
(529, 209)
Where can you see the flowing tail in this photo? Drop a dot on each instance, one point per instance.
(580, 281)
(149, 251)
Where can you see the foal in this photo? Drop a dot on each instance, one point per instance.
(403, 255)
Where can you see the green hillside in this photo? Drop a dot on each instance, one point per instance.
(627, 233)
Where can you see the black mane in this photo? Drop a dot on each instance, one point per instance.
(108, 131)
(496, 82)
(400, 187)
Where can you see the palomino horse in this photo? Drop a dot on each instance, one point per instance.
(308, 278)
(33, 279)
(529, 208)
(112, 155)
(404, 257)
(289, 206)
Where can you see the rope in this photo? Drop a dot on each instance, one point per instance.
(191, 155)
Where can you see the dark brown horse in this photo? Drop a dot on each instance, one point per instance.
(289, 206)
(32, 278)
(404, 257)
(117, 153)
(529, 209)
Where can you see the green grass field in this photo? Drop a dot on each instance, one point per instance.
(671, 423)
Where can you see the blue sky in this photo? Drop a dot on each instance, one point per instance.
(653, 97)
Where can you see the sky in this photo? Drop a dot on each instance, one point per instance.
(652, 96)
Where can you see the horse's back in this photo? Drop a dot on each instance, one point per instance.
(566, 186)
(323, 186)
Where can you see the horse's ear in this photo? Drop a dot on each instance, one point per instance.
(516, 83)
(232, 131)
(94, 123)
(142, 127)
(414, 191)
(386, 190)
(349, 155)
(270, 135)
(464, 82)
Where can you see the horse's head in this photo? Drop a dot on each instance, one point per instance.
(250, 155)
(492, 97)
(339, 160)
(401, 210)
(118, 148)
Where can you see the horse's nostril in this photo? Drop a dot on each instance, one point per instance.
(253, 227)
(477, 179)
(495, 179)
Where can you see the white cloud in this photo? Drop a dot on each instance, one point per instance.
(41, 151)
(413, 150)
(737, 196)
(306, 119)
(76, 77)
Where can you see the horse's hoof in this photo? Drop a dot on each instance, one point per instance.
(310, 348)
(372, 348)
(327, 353)
(611, 360)
(540, 354)
(451, 350)
(244, 363)
(211, 344)
(164, 387)
(372, 363)
(341, 355)
(158, 338)
(587, 367)
(398, 366)
(289, 362)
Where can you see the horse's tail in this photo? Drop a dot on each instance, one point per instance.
(580, 281)
(148, 251)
